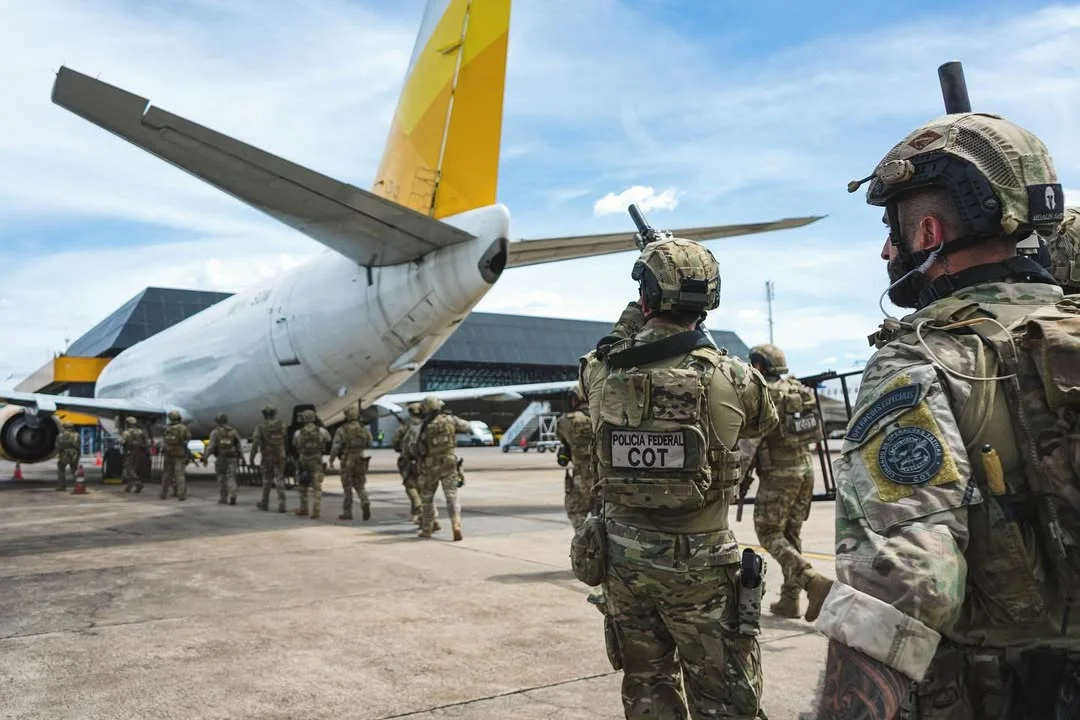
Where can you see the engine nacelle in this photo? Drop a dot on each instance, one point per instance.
(26, 437)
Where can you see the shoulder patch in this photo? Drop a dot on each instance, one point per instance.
(910, 456)
(905, 396)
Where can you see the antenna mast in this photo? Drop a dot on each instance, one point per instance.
(770, 293)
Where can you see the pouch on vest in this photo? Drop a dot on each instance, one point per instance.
(652, 447)
(588, 552)
(800, 423)
(311, 442)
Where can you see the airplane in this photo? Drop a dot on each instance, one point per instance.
(403, 265)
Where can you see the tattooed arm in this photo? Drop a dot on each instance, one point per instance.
(858, 687)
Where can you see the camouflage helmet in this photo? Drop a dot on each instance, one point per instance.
(221, 418)
(1064, 248)
(131, 422)
(269, 411)
(351, 413)
(431, 404)
(308, 416)
(1000, 176)
(174, 416)
(678, 274)
(415, 410)
(771, 357)
(67, 425)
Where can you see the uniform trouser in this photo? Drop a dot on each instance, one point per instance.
(780, 508)
(130, 472)
(273, 473)
(172, 473)
(577, 496)
(411, 480)
(676, 626)
(65, 462)
(353, 478)
(312, 492)
(225, 470)
(431, 477)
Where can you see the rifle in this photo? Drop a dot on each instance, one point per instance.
(646, 233)
(747, 477)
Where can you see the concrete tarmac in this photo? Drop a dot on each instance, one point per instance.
(120, 606)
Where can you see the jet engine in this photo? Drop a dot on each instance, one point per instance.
(27, 437)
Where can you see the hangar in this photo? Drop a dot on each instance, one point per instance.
(488, 349)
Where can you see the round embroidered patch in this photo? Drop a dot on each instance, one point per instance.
(910, 456)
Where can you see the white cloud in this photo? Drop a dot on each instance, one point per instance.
(643, 196)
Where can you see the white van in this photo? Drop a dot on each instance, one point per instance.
(479, 435)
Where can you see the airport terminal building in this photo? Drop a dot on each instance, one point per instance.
(487, 349)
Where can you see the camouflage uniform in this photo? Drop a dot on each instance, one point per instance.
(350, 441)
(175, 440)
(225, 446)
(67, 456)
(269, 439)
(786, 475)
(404, 442)
(1064, 247)
(134, 440)
(310, 443)
(672, 562)
(943, 554)
(435, 446)
(575, 432)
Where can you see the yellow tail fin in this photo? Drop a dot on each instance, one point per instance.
(442, 156)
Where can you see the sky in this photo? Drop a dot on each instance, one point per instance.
(703, 113)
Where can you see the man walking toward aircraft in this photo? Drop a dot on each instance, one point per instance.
(225, 446)
(67, 456)
(404, 443)
(310, 442)
(134, 440)
(438, 464)
(174, 456)
(269, 439)
(350, 441)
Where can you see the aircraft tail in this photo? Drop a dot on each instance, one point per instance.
(442, 155)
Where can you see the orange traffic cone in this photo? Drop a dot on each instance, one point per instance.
(80, 481)
(18, 472)
(97, 459)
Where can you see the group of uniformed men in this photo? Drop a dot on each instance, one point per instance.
(427, 446)
(958, 484)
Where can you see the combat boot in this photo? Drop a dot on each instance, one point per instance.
(301, 511)
(816, 591)
(424, 534)
(281, 507)
(232, 500)
(365, 511)
(314, 514)
(787, 607)
(435, 528)
(138, 489)
(457, 530)
(345, 515)
(262, 505)
(163, 496)
(127, 488)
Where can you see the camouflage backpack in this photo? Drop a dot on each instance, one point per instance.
(227, 441)
(797, 409)
(1043, 394)
(174, 439)
(311, 442)
(357, 437)
(437, 437)
(274, 433)
(134, 439)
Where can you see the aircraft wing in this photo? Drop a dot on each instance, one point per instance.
(393, 403)
(534, 252)
(362, 226)
(100, 407)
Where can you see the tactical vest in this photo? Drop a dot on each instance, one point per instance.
(273, 435)
(227, 444)
(174, 439)
(799, 425)
(68, 440)
(311, 442)
(1024, 545)
(437, 437)
(134, 440)
(355, 437)
(581, 436)
(652, 442)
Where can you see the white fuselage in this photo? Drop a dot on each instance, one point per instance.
(329, 333)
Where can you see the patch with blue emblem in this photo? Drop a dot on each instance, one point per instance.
(905, 396)
(910, 456)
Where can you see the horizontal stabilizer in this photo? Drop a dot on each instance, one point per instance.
(99, 407)
(364, 227)
(534, 252)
